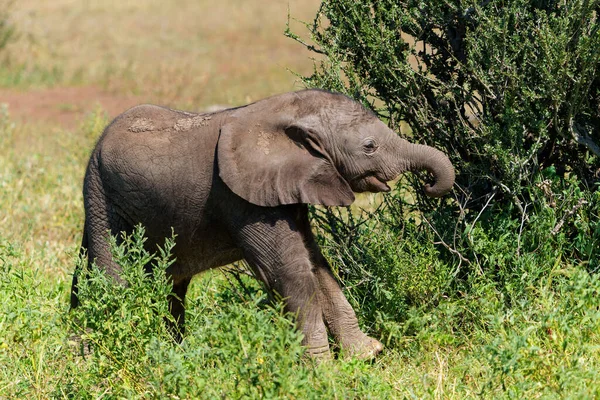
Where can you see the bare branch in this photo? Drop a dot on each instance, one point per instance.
(448, 247)
(524, 217)
(560, 223)
(481, 212)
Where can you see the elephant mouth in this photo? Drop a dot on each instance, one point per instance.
(370, 183)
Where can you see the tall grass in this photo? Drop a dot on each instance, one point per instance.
(7, 29)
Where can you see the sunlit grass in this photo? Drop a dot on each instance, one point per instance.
(41, 170)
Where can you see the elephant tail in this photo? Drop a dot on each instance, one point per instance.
(84, 243)
(82, 252)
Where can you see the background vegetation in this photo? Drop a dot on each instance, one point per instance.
(490, 292)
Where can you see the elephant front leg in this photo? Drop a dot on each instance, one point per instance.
(337, 311)
(277, 253)
(298, 286)
(341, 318)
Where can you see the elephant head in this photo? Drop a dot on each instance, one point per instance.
(318, 147)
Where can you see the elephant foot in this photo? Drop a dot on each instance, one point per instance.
(319, 353)
(316, 342)
(365, 348)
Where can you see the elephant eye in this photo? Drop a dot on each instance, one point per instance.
(369, 146)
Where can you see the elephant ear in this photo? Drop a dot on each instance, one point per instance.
(272, 164)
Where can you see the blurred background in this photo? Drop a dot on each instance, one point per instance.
(69, 56)
(67, 67)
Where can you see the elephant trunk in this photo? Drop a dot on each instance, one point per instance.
(416, 157)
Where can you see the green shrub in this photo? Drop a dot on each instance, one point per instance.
(470, 345)
(116, 343)
(506, 89)
(118, 321)
(510, 91)
(235, 345)
(388, 264)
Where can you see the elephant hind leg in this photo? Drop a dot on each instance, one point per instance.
(177, 307)
(101, 220)
(98, 251)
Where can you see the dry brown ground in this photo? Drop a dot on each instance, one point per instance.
(65, 106)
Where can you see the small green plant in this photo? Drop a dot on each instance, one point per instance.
(117, 321)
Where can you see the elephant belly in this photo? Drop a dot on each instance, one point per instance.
(203, 250)
(200, 243)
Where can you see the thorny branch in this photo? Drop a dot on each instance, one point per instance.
(236, 271)
(524, 217)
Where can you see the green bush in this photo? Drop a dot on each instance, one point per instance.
(474, 345)
(393, 266)
(510, 91)
(117, 322)
(506, 89)
(235, 346)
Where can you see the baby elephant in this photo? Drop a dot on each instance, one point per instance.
(235, 185)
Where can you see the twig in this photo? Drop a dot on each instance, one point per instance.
(448, 247)
(288, 32)
(305, 44)
(506, 189)
(524, 217)
(481, 212)
(576, 207)
(236, 274)
(462, 208)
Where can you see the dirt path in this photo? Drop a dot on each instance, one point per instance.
(64, 106)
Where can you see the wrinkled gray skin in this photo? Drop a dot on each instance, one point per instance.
(234, 184)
